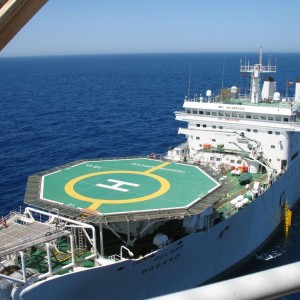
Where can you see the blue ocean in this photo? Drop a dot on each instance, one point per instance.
(59, 109)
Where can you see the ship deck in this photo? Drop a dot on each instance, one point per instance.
(122, 189)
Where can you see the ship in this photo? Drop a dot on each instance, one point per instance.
(141, 227)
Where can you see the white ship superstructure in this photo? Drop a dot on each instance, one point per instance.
(253, 133)
(135, 228)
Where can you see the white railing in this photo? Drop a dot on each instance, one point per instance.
(269, 284)
(264, 69)
(244, 98)
(233, 121)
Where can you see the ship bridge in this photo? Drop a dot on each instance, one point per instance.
(117, 190)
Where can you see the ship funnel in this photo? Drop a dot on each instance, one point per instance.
(297, 90)
(269, 88)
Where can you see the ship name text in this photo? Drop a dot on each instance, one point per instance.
(163, 259)
(237, 107)
(229, 119)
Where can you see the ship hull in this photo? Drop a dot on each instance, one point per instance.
(184, 264)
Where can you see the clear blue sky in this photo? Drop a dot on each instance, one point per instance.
(157, 26)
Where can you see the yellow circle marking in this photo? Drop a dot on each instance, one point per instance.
(69, 189)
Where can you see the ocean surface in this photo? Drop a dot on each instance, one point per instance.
(54, 110)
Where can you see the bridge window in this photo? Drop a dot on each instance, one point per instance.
(214, 126)
(234, 114)
(227, 115)
(285, 119)
(198, 125)
(221, 114)
(270, 132)
(263, 117)
(204, 125)
(270, 118)
(272, 146)
(201, 112)
(255, 130)
(248, 116)
(207, 113)
(220, 127)
(214, 113)
(277, 118)
(194, 112)
(277, 132)
(255, 116)
(188, 111)
(241, 116)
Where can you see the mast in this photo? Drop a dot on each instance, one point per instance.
(255, 72)
(260, 56)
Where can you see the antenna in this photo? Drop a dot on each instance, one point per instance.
(189, 87)
(222, 81)
(260, 56)
(223, 75)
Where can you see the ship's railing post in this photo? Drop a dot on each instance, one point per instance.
(269, 284)
(101, 239)
(23, 266)
(48, 249)
(72, 249)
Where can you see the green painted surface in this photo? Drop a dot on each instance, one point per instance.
(126, 185)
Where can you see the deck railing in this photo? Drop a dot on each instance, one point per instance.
(269, 284)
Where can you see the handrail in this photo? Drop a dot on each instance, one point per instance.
(84, 225)
(248, 68)
(269, 284)
(14, 14)
(239, 120)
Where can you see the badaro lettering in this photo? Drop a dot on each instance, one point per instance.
(164, 259)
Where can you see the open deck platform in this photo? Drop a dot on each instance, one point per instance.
(20, 235)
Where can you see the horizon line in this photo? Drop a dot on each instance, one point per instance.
(143, 53)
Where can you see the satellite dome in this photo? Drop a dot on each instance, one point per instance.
(233, 89)
(208, 93)
(276, 96)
